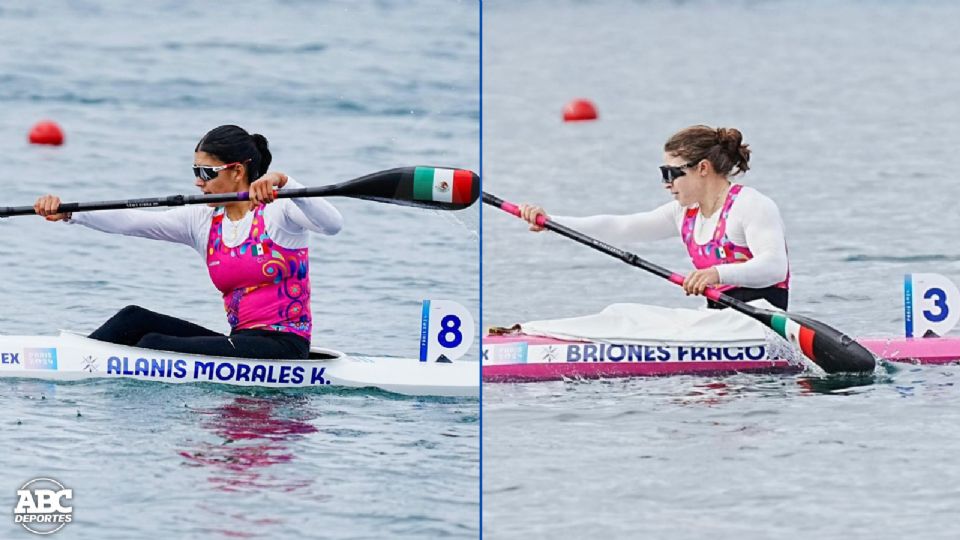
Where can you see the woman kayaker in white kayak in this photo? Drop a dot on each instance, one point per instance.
(256, 253)
(733, 233)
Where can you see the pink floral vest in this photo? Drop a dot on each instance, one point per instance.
(719, 249)
(265, 286)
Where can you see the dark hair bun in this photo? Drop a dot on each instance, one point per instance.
(263, 148)
(731, 140)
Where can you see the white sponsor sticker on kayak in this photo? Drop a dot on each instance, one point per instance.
(931, 305)
(446, 329)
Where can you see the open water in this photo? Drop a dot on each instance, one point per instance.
(851, 110)
(341, 89)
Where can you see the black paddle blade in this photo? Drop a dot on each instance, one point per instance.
(424, 187)
(829, 348)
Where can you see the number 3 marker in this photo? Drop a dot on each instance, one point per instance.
(931, 304)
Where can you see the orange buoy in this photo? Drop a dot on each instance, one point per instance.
(579, 109)
(46, 132)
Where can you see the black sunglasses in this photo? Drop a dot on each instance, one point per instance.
(208, 173)
(671, 173)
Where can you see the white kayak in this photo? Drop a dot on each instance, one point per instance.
(73, 357)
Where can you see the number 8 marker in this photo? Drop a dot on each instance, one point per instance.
(446, 329)
(450, 324)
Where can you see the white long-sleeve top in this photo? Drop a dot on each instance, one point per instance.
(288, 222)
(754, 221)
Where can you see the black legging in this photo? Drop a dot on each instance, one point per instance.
(139, 327)
(777, 296)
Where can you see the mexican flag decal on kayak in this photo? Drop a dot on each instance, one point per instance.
(795, 333)
(442, 185)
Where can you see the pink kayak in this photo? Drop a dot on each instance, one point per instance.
(522, 358)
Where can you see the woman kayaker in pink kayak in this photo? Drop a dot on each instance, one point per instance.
(733, 233)
(256, 253)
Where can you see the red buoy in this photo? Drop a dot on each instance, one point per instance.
(46, 132)
(579, 109)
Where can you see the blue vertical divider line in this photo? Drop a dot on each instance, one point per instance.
(480, 284)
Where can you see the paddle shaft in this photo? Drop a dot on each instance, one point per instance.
(172, 200)
(831, 349)
(436, 188)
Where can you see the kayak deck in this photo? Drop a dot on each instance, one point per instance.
(74, 357)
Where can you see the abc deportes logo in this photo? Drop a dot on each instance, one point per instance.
(41, 506)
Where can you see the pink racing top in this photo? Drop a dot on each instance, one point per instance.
(265, 286)
(719, 249)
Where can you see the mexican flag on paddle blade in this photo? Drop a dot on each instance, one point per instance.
(443, 185)
(795, 333)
